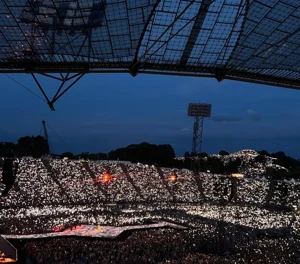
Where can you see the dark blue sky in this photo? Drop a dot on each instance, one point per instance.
(106, 111)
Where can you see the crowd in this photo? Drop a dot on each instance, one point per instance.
(71, 181)
(167, 246)
(55, 193)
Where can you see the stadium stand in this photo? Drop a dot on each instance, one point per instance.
(39, 204)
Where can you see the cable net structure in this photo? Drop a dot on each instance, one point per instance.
(247, 40)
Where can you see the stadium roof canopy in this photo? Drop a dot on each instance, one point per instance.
(247, 40)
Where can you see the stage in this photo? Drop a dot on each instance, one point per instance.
(7, 260)
(99, 231)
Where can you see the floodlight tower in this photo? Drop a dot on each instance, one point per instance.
(199, 111)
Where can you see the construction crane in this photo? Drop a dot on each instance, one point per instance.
(46, 136)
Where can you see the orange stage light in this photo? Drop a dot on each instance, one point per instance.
(173, 178)
(107, 177)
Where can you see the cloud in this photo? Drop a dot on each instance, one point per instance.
(185, 129)
(254, 116)
(182, 111)
(225, 118)
(127, 123)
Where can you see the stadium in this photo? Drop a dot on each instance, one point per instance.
(109, 211)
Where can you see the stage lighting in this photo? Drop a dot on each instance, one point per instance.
(173, 178)
(107, 177)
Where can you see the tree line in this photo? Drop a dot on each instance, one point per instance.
(158, 155)
(33, 146)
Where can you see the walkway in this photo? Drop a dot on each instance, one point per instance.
(95, 231)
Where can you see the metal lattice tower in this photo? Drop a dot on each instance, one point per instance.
(198, 111)
(197, 135)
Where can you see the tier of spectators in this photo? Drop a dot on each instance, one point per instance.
(71, 181)
(62, 193)
(201, 245)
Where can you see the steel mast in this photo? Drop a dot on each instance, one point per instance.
(46, 136)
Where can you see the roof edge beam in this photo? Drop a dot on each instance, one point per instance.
(203, 10)
(220, 74)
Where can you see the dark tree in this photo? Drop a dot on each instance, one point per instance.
(214, 165)
(233, 165)
(162, 155)
(165, 155)
(263, 152)
(279, 155)
(7, 149)
(260, 158)
(286, 161)
(203, 155)
(32, 146)
(187, 154)
(68, 155)
(223, 153)
(102, 156)
(83, 155)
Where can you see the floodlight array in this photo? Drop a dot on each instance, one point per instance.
(196, 109)
(253, 41)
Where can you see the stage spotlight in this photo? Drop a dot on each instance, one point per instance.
(107, 177)
(173, 178)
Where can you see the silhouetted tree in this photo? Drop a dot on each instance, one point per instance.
(263, 152)
(286, 161)
(7, 149)
(214, 165)
(162, 155)
(187, 154)
(260, 159)
(102, 156)
(179, 164)
(83, 155)
(223, 153)
(32, 146)
(203, 155)
(165, 155)
(68, 155)
(279, 155)
(233, 165)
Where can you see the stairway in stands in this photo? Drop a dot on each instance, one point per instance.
(16, 185)
(137, 189)
(199, 184)
(53, 176)
(93, 176)
(163, 179)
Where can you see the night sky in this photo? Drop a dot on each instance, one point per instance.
(107, 111)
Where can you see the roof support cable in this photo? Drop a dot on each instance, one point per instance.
(201, 16)
(60, 138)
(22, 85)
(174, 35)
(242, 63)
(137, 63)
